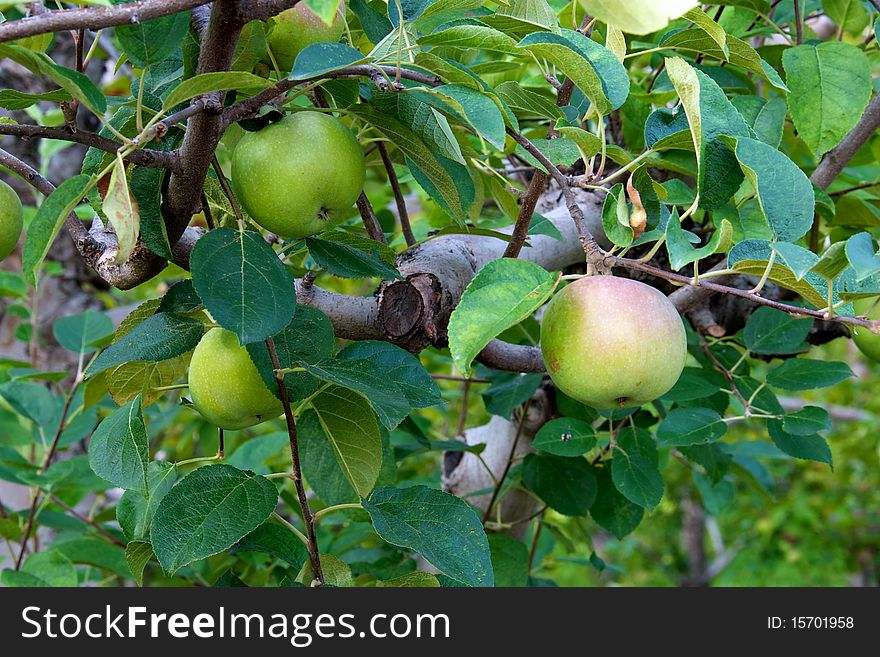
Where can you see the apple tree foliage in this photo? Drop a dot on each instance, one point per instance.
(705, 128)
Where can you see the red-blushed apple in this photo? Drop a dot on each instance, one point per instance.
(611, 342)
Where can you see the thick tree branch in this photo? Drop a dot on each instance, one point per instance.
(94, 18)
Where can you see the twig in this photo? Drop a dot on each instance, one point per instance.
(726, 372)
(402, 212)
(47, 461)
(227, 190)
(453, 377)
(798, 23)
(534, 547)
(144, 158)
(463, 412)
(497, 489)
(309, 520)
(89, 521)
(368, 216)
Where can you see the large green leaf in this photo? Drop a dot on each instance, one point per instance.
(566, 484)
(275, 540)
(243, 283)
(593, 68)
(146, 185)
(135, 510)
(783, 190)
(210, 510)
(812, 447)
(350, 426)
(45, 225)
(634, 468)
(82, 332)
(119, 448)
(683, 427)
(503, 293)
(446, 181)
(349, 262)
(637, 16)
(159, 337)
(612, 510)
(322, 57)
(808, 374)
(771, 331)
(439, 526)
(830, 87)
(149, 42)
(215, 81)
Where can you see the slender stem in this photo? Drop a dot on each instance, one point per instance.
(799, 24)
(292, 528)
(534, 547)
(402, 212)
(368, 216)
(334, 508)
(497, 489)
(89, 521)
(312, 541)
(47, 461)
(199, 459)
(227, 190)
(453, 377)
(463, 412)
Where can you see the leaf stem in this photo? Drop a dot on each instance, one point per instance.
(291, 527)
(336, 507)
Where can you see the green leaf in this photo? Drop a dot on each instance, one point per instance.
(690, 426)
(716, 496)
(810, 448)
(765, 116)
(159, 337)
(439, 526)
(18, 100)
(415, 579)
(446, 181)
(275, 540)
(400, 366)
(149, 42)
(350, 426)
(323, 57)
(215, 81)
(712, 29)
(52, 568)
(119, 448)
(830, 87)
(510, 560)
(850, 15)
(565, 436)
(541, 225)
(567, 485)
(243, 283)
(210, 510)
(593, 68)
(751, 257)
(137, 555)
(146, 185)
(695, 383)
(611, 510)
(135, 510)
(337, 573)
(798, 259)
(807, 374)
(320, 466)
(308, 338)
(349, 262)
(503, 293)
(861, 255)
(832, 262)
(784, 192)
(528, 103)
(508, 390)
(475, 108)
(519, 17)
(560, 151)
(181, 298)
(635, 470)
(637, 16)
(82, 332)
(710, 115)
(807, 421)
(471, 37)
(770, 331)
(45, 225)
(681, 253)
(615, 217)
(414, 110)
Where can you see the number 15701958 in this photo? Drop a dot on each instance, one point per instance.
(810, 622)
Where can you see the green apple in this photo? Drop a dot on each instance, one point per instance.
(867, 342)
(611, 342)
(226, 387)
(300, 175)
(298, 27)
(10, 219)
